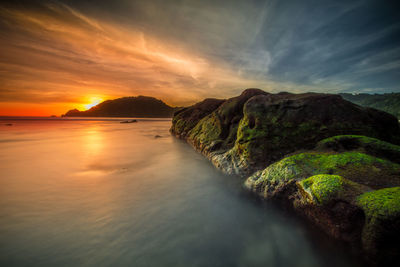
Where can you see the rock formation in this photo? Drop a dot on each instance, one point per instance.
(334, 162)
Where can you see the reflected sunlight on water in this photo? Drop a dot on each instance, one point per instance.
(93, 142)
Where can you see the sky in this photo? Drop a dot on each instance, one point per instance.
(60, 55)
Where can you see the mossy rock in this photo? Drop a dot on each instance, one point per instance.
(187, 118)
(366, 144)
(276, 125)
(324, 188)
(381, 203)
(257, 128)
(208, 130)
(358, 167)
(218, 130)
(329, 202)
(381, 233)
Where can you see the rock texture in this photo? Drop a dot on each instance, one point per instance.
(248, 132)
(333, 161)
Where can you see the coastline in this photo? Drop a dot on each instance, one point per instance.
(334, 200)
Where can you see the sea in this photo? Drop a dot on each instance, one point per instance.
(97, 192)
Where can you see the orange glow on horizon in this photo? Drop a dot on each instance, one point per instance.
(120, 61)
(51, 59)
(29, 109)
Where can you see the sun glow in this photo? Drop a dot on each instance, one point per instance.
(81, 55)
(93, 102)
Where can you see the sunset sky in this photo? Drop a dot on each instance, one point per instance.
(59, 55)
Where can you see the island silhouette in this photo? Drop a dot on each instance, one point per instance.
(132, 106)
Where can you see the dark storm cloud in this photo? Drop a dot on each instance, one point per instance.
(353, 45)
(346, 42)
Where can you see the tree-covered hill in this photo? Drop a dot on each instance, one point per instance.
(386, 102)
(140, 106)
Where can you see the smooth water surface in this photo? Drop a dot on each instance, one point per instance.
(101, 193)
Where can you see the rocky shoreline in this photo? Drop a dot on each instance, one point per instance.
(332, 161)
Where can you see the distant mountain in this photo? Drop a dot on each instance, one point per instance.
(140, 106)
(386, 102)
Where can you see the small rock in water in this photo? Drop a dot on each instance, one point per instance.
(8, 124)
(128, 121)
(157, 136)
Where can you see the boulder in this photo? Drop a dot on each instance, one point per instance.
(246, 133)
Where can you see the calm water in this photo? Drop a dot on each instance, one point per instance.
(101, 193)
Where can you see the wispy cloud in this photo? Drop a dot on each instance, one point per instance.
(59, 54)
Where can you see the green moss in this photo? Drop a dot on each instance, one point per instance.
(381, 203)
(355, 166)
(207, 130)
(278, 173)
(250, 142)
(284, 131)
(181, 126)
(356, 159)
(323, 188)
(331, 162)
(247, 133)
(265, 136)
(360, 141)
(382, 211)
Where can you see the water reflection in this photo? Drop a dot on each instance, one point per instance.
(92, 142)
(106, 194)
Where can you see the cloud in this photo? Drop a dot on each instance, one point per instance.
(63, 52)
(58, 49)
